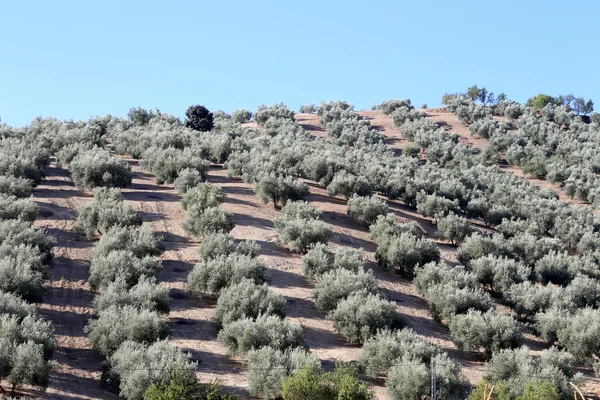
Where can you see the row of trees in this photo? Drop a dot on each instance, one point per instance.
(27, 342)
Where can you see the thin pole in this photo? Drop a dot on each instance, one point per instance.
(433, 387)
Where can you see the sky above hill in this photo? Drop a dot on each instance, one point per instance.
(77, 59)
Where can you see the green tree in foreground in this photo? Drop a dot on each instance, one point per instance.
(311, 383)
(178, 386)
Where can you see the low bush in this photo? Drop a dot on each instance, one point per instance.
(209, 221)
(13, 304)
(500, 273)
(389, 347)
(138, 366)
(263, 113)
(491, 330)
(140, 241)
(247, 300)
(387, 225)
(97, 167)
(580, 332)
(121, 264)
(116, 325)
(21, 279)
(202, 196)
(241, 116)
(268, 367)
(223, 244)
(299, 228)
(527, 299)
(247, 334)
(411, 379)
(146, 294)
(366, 209)
(308, 109)
(167, 163)
(447, 300)
(433, 273)
(317, 260)
(389, 106)
(361, 315)
(107, 210)
(312, 383)
(554, 267)
(215, 274)
(337, 285)
(453, 228)
(15, 232)
(279, 189)
(406, 252)
(14, 186)
(187, 179)
(347, 185)
(11, 207)
(184, 386)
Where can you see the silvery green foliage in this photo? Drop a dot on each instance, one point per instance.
(555, 267)
(11, 303)
(66, 154)
(389, 347)
(241, 116)
(388, 225)
(405, 114)
(361, 315)
(436, 273)
(107, 210)
(337, 285)
(214, 274)
(276, 126)
(116, 325)
(247, 334)
(405, 252)
(467, 114)
(211, 220)
(449, 299)
(584, 291)
(308, 109)
(268, 367)
(411, 379)
(20, 278)
(334, 111)
(272, 187)
(137, 366)
(263, 113)
(435, 206)
(347, 185)
(579, 331)
(15, 232)
(121, 264)
(12, 207)
(15, 186)
(203, 196)
(389, 106)
(187, 179)
(453, 228)
(247, 300)
(349, 259)
(491, 330)
(141, 241)
(26, 348)
(145, 294)
(167, 163)
(317, 260)
(528, 299)
(517, 368)
(366, 209)
(499, 273)
(97, 167)
(223, 244)
(300, 228)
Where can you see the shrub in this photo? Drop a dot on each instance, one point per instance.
(435, 206)
(121, 264)
(387, 225)
(116, 325)
(21, 279)
(247, 300)
(97, 167)
(205, 222)
(279, 189)
(389, 106)
(580, 333)
(311, 383)
(146, 294)
(584, 291)
(213, 275)
(347, 185)
(184, 386)
(247, 334)
(12, 207)
(499, 273)
(268, 367)
(554, 267)
(406, 252)
(317, 260)
(188, 178)
(107, 210)
(167, 163)
(453, 228)
(501, 391)
(447, 300)
(492, 331)
(528, 299)
(14, 186)
(223, 244)
(241, 116)
(138, 366)
(359, 316)
(15, 232)
(13, 304)
(433, 273)
(308, 109)
(538, 390)
(263, 113)
(299, 228)
(199, 118)
(411, 379)
(349, 259)
(389, 347)
(202, 196)
(366, 209)
(140, 241)
(337, 285)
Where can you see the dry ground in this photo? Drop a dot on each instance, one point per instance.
(69, 300)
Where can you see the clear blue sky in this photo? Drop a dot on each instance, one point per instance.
(77, 59)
